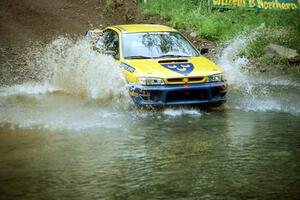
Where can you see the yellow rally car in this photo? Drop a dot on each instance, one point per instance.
(161, 66)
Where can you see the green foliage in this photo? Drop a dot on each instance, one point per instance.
(287, 37)
(217, 25)
(283, 27)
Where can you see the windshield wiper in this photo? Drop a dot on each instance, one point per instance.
(138, 57)
(172, 56)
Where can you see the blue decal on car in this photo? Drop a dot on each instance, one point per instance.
(181, 68)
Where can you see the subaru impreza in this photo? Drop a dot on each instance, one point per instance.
(161, 66)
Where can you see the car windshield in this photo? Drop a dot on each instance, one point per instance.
(156, 45)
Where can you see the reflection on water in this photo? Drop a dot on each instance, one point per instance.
(216, 155)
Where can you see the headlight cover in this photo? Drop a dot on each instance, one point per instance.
(215, 78)
(151, 81)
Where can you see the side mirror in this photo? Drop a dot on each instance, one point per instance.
(202, 50)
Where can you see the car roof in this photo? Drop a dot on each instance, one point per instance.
(134, 28)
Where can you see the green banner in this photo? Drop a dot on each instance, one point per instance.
(256, 4)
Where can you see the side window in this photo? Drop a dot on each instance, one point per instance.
(110, 43)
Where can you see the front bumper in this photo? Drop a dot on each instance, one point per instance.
(192, 94)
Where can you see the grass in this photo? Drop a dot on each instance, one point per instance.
(287, 37)
(282, 27)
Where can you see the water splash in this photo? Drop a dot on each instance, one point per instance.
(28, 89)
(74, 68)
(232, 64)
(73, 84)
(181, 112)
(250, 92)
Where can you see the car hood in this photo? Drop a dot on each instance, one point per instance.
(174, 67)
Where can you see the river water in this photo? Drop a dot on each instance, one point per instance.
(75, 134)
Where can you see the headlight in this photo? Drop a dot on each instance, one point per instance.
(215, 78)
(151, 81)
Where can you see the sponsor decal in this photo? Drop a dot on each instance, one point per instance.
(181, 68)
(127, 67)
(256, 4)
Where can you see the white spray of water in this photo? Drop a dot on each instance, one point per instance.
(74, 68)
(233, 65)
(74, 84)
(181, 112)
(77, 69)
(28, 89)
(252, 93)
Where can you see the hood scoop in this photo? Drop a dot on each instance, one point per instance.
(173, 61)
